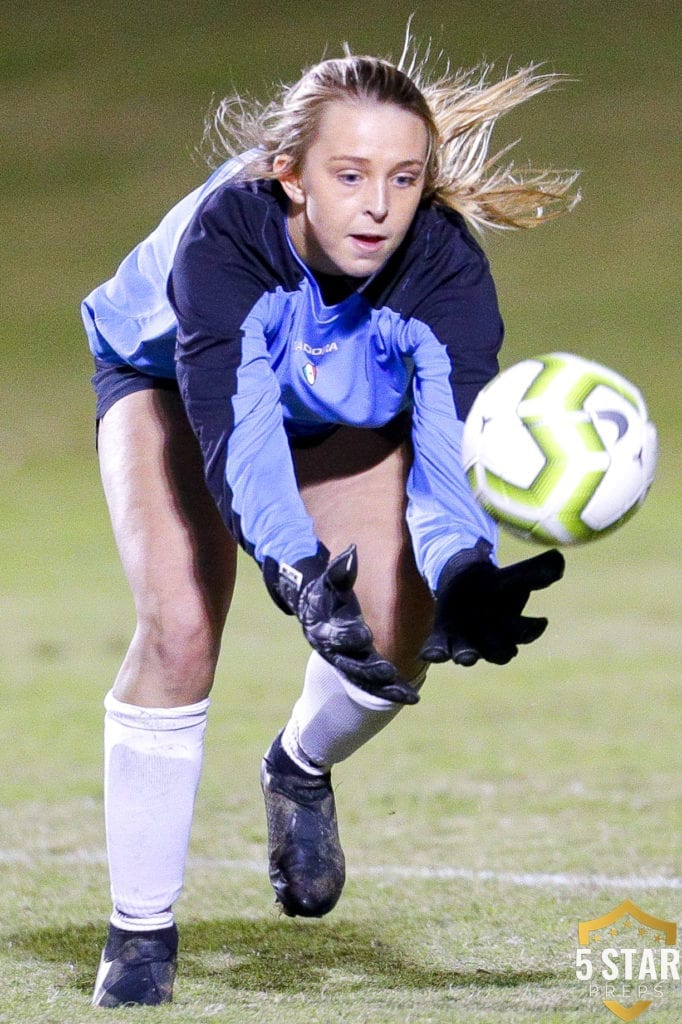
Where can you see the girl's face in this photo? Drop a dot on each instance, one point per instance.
(357, 192)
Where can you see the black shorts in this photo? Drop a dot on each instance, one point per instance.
(112, 381)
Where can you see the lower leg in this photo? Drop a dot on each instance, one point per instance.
(153, 759)
(333, 718)
(153, 762)
(330, 721)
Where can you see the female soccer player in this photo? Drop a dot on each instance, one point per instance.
(285, 364)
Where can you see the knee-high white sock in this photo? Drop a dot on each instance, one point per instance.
(333, 718)
(153, 759)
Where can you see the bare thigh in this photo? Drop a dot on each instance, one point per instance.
(176, 553)
(353, 485)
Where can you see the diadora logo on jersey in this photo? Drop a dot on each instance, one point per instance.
(310, 373)
(322, 350)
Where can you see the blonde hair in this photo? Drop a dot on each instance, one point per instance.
(459, 109)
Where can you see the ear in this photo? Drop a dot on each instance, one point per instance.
(289, 179)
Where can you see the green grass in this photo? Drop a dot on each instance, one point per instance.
(564, 763)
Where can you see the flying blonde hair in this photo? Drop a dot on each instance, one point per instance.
(459, 109)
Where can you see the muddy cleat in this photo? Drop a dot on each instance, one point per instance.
(137, 968)
(307, 866)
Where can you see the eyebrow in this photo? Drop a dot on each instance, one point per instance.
(349, 158)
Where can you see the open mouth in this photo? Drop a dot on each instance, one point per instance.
(370, 243)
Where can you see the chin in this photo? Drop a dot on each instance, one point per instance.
(365, 267)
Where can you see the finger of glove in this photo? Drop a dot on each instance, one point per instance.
(342, 571)
(436, 647)
(530, 629)
(378, 678)
(441, 646)
(370, 670)
(535, 573)
(499, 653)
(397, 693)
(465, 656)
(462, 650)
(354, 643)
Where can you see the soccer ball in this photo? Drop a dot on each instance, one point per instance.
(559, 449)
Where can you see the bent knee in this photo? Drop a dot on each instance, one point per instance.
(182, 641)
(400, 624)
(401, 646)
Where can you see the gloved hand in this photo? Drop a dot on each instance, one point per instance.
(320, 593)
(479, 606)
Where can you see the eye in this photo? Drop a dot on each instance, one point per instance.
(349, 177)
(406, 180)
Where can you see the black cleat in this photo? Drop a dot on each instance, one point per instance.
(137, 968)
(307, 866)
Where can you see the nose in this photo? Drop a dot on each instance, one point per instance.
(377, 201)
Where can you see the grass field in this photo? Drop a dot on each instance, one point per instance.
(510, 804)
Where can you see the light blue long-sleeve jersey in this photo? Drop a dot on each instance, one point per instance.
(217, 295)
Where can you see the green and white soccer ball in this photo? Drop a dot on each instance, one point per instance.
(559, 449)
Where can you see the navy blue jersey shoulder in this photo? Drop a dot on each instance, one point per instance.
(238, 233)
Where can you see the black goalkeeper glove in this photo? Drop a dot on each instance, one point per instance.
(320, 593)
(479, 606)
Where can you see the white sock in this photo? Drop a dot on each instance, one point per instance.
(142, 924)
(333, 718)
(153, 759)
